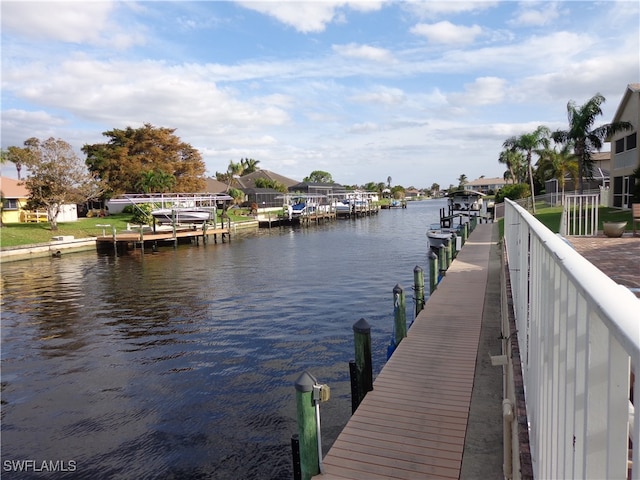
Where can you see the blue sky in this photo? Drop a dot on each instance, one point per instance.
(421, 92)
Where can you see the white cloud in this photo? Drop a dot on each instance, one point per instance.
(360, 128)
(483, 91)
(447, 33)
(381, 96)
(70, 22)
(308, 17)
(434, 9)
(365, 52)
(536, 14)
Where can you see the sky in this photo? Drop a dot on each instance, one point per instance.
(419, 92)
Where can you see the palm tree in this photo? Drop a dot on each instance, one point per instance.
(156, 181)
(557, 164)
(528, 143)
(516, 165)
(462, 181)
(233, 170)
(249, 165)
(583, 137)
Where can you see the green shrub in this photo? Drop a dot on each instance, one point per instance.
(141, 213)
(513, 192)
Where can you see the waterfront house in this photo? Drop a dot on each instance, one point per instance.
(488, 186)
(625, 155)
(249, 180)
(14, 200)
(14, 205)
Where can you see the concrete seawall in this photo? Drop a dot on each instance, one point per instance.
(26, 252)
(69, 245)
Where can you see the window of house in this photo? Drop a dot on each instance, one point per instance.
(620, 145)
(632, 141)
(10, 204)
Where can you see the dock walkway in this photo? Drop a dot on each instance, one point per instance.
(414, 422)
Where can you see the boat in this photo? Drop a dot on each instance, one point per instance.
(465, 200)
(439, 236)
(181, 215)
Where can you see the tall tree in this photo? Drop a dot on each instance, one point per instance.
(318, 176)
(156, 181)
(528, 143)
(133, 151)
(270, 183)
(557, 164)
(233, 170)
(462, 181)
(249, 165)
(57, 177)
(17, 156)
(516, 165)
(583, 137)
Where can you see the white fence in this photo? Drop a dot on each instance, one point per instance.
(580, 215)
(579, 340)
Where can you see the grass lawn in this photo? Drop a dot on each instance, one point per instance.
(17, 234)
(550, 217)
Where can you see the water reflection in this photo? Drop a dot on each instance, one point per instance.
(180, 364)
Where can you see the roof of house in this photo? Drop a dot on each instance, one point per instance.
(215, 186)
(631, 89)
(489, 181)
(12, 188)
(248, 181)
(600, 156)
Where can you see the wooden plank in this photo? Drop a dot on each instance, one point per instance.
(413, 424)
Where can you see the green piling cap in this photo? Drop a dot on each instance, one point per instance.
(362, 326)
(305, 382)
(397, 289)
(432, 255)
(417, 268)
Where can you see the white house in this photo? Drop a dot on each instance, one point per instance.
(625, 155)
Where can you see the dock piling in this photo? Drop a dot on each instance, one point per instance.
(399, 314)
(418, 287)
(364, 364)
(307, 431)
(433, 272)
(442, 257)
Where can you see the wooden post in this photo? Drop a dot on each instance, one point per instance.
(449, 252)
(115, 242)
(355, 396)
(364, 366)
(433, 271)
(418, 282)
(307, 432)
(399, 314)
(442, 256)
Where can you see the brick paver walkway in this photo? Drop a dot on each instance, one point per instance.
(618, 258)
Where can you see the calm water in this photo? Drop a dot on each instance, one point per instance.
(181, 364)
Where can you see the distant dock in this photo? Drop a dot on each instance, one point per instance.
(128, 240)
(315, 217)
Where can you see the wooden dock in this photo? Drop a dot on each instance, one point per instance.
(125, 240)
(414, 422)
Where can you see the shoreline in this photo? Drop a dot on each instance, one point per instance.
(70, 245)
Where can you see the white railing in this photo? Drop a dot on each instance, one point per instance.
(580, 215)
(579, 340)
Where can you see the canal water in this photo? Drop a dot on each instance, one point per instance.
(181, 363)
